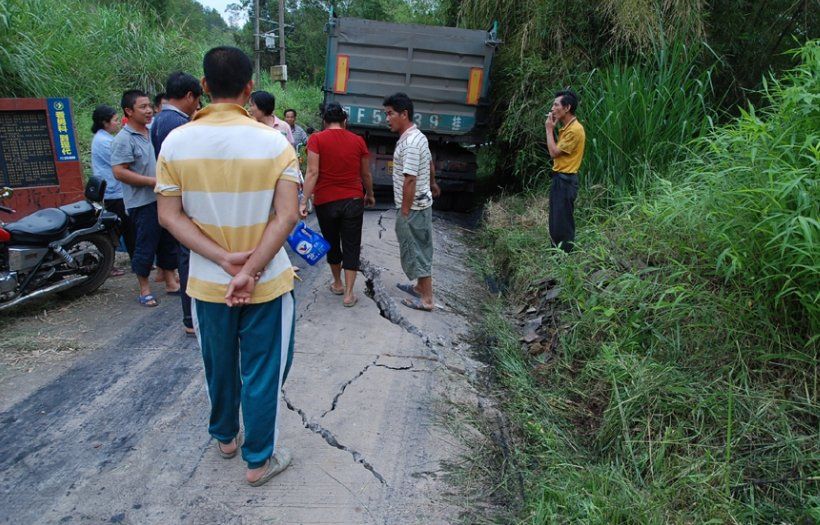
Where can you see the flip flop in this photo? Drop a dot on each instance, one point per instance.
(190, 332)
(415, 304)
(176, 292)
(228, 455)
(336, 291)
(352, 303)
(275, 465)
(146, 300)
(117, 272)
(408, 288)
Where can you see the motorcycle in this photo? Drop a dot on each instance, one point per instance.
(68, 250)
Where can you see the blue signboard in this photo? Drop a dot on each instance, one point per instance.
(440, 122)
(62, 127)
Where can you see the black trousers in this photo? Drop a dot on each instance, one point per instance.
(184, 263)
(563, 190)
(341, 224)
(126, 225)
(153, 241)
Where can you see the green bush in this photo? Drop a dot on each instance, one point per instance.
(92, 52)
(751, 197)
(635, 117)
(684, 388)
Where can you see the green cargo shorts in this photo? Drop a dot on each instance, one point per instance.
(415, 235)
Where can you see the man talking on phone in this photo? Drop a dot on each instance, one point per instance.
(567, 154)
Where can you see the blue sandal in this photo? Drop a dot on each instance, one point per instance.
(408, 288)
(146, 300)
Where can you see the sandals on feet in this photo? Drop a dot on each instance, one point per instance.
(229, 455)
(408, 288)
(351, 303)
(148, 300)
(415, 304)
(275, 465)
(336, 291)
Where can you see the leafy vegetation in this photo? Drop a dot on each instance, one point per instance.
(306, 41)
(684, 388)
(550, 44)
(92, 51)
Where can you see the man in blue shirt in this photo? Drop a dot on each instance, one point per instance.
(135, 165)
(182, 93)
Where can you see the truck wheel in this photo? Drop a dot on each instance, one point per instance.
(444, 202)
(95, 256)
(463, 202)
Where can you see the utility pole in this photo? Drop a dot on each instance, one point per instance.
(256, 51)
(281, 39)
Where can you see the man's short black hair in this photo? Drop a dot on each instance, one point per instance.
(227, 71)
(289, 110)
(400, 102)
(568, 98)
(179, 84)
(129, 98)
(334, 113)
(158, 99)
(265, 101)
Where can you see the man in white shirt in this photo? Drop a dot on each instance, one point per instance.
(414, 200)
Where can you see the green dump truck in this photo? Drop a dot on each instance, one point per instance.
(444, 70)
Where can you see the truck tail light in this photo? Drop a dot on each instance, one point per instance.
(474, 85)
(342, 73)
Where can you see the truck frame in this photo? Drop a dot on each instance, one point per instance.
(444, 70)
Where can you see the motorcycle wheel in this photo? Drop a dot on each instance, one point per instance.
(95, 255)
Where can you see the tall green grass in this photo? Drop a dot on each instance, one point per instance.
(92, 52)
(751, 197)
(302, 96)
(684, 389)
(635, 117)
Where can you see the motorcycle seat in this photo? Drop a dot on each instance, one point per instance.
(41, 226)
(79, 213)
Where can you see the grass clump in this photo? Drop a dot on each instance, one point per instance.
(684, 387)
(92, 51)
(635, 116)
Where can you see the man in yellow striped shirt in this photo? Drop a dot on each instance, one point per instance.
(227, 190)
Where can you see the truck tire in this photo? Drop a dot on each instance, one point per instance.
(444, 202)
(95, 255)
(463, 202)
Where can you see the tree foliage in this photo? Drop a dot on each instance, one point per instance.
(305, 21)
(550, 44)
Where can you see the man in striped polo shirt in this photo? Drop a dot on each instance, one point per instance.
(413, 197)
(228, 192)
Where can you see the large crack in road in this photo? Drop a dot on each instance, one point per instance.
(120, 433)
(331, 440)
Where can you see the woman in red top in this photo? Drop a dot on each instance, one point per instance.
(338, 178)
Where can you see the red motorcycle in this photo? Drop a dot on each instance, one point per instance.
(67, 250)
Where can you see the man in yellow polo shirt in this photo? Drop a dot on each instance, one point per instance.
(227, 190)
(567, 155)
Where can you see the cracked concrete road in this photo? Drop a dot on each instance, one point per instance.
(118, 433)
